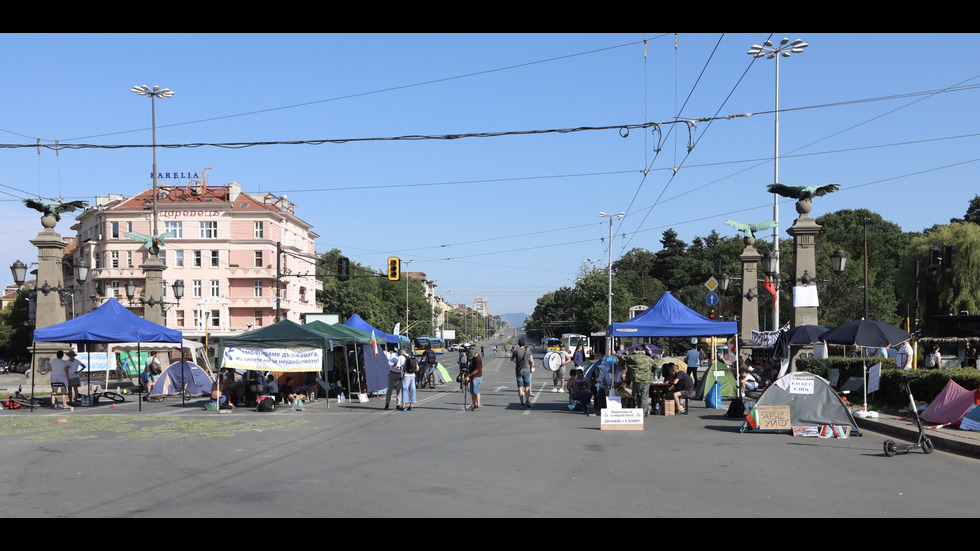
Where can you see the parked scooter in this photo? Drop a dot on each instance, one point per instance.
(923, 443)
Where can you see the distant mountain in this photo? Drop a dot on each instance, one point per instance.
(516, 320)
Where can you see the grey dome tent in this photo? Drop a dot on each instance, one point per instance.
(812, 403)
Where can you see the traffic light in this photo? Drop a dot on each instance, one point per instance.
(917, 327)
(711, 314)
(343, 268)
(948, 253)
(393, 265)
(935, 258)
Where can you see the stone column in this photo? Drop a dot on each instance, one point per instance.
(47, 307)
(804, 231)
(750, 281)
(153, 288)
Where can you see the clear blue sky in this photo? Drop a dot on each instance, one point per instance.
(511, 212)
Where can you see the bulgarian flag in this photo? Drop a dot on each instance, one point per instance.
(374, 344)
(753, 418)
(771, 287)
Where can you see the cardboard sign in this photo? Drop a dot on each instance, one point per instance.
(621, 419)
(774, 418)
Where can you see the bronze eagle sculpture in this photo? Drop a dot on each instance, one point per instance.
(55, 208)
(803, 193)
(750, 229)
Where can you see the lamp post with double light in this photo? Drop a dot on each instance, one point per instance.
(771, 51)
(609, 342)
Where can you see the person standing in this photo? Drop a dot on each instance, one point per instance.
(934, 359)
(523, 364)
(396, 365)
(905, 355)
(75, 368)
(882, 351)
(558, 375)
(408, 384)
(59, 380)
(475, 377)
(639, 373)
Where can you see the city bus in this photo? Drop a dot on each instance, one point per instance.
(569, 341)
(551, 343)
(419, 345)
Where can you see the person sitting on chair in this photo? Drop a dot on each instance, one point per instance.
(272, 387)
(579, 389)
(681, 385)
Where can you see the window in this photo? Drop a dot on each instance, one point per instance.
(196, 288)
(257, 288)
(215, 318)
(179, 259)
(259, 233)
(196, 319)
(257, 318)
(197, 259)
(180, 318)
(98, 261)
(215, 288)
(129, 226)
(258, 259)
(113, 259)
(214, 259)
(114, 229)
(115, 289)
(176, 229)
(129, 258)
(209, 230)
(163, 256)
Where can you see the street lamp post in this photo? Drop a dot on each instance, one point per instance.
(609, 273)
(153, 267)
(769, 51)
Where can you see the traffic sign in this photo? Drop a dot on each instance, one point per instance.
(711, 299)
(711, 284)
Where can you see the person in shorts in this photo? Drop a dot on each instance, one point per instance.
(523, 364)
(59, 380)
(558, 375)
(475, 377)
(75, 368)
(681, 385)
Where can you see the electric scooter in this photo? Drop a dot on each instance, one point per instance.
(923, 443)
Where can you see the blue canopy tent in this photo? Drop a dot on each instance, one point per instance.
(671, 318)
(109, 323)
(357, 322)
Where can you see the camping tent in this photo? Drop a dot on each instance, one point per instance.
(109, 323)
(669, 317)
(812, 403)
(182, 375)
(951, 404)
(722, 374)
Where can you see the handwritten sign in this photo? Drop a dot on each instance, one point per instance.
(774, 418)
(621, 419)
(801, 385)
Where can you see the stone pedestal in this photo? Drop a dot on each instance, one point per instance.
(153, 288)
(750, 281)
(804, 231)
(47, 307)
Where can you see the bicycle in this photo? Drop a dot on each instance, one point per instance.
(28, 401)
(93, 398)
(428, 377)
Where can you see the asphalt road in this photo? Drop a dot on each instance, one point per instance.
(358, 460)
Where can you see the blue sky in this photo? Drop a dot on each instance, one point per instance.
(509, 210)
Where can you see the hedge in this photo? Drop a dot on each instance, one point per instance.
(926, 384)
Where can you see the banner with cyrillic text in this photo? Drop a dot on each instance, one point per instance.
(273, 359)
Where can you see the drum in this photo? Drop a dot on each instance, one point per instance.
(552, 361)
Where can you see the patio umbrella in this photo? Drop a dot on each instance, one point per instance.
(866, 334)
(803, 335)
(654, 349)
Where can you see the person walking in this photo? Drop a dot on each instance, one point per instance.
(408, 384)
(74, 368)
(475, 377)
(558, 375)
(523, 364)
(396, 365)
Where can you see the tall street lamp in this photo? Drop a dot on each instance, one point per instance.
(154, 93)
(769, 51)
(609, 273)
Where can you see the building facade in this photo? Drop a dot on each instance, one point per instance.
(223, 244)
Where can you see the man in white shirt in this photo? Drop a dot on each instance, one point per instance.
(905, 355)
(396, 365)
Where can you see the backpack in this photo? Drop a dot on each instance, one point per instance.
(266, 404)
(11, 404)
(410, 365)
(736, 408)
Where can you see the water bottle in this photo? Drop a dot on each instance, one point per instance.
(341, 399)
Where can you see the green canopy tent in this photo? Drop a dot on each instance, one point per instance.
(287, 336)
(349, 336)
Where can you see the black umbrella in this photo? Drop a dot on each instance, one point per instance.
(866, 333)
(805, 334)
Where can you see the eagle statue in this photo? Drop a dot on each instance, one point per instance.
(151, 242)
(802, 193)
(750, 229)
(55, 208)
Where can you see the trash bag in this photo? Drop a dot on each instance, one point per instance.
(713, 398)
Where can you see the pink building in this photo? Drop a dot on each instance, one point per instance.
(223, 246)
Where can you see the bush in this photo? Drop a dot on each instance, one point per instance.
(926, 384)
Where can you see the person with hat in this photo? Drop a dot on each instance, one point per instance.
(75, 368)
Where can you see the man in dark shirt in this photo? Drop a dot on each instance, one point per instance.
(475, 377)
(681, 385)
